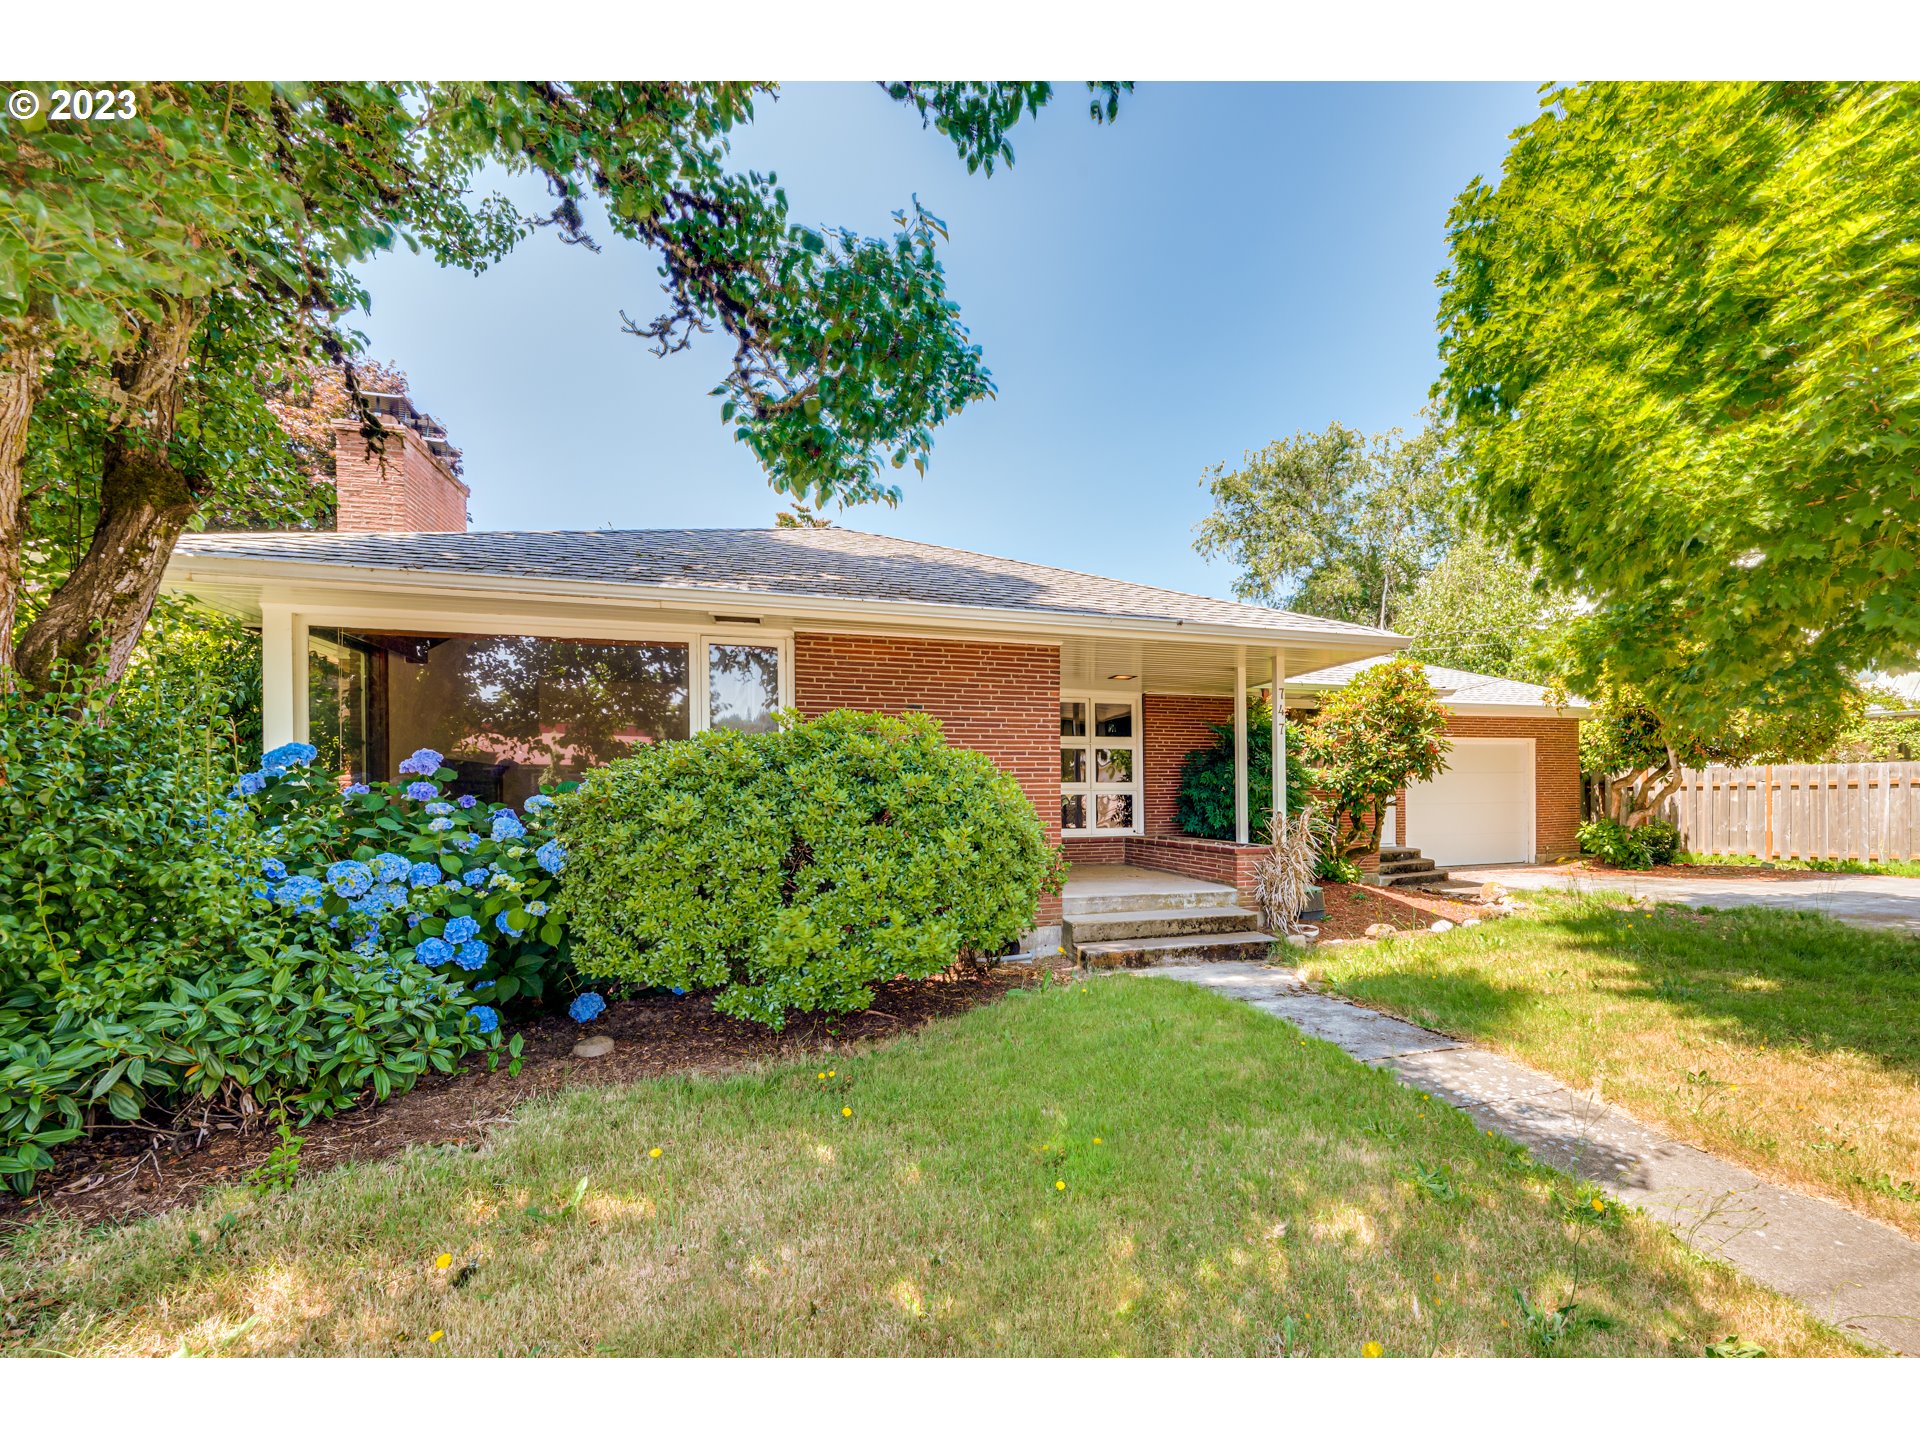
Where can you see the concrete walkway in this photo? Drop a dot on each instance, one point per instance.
(1885, 902)
(1854, 1272)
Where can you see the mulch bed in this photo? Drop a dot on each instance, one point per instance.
(124, 1172)
(1736, 871)
(1352, 908)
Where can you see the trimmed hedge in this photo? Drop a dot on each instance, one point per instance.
(792, 871)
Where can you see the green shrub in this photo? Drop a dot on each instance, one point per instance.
(792, 871)
(1205, 805)
(1654, 843)
(137, 971)
(408, 874)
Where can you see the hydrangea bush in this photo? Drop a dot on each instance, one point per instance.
(138, 975)
(407, 875)
(795, 870)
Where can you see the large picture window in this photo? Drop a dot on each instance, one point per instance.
(514, 712)
(1099, 765)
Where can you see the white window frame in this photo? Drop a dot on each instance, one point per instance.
(700, 716)
(1136, 743)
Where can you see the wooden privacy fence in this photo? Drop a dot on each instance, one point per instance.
(1803, 812)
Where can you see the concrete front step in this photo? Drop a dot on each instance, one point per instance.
(1136, 924)
(1405, 867)
(1197, 895)
(1411, 878)
(1398, 852)
(1242, 945)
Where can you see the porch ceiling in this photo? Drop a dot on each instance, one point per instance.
(1168, 667)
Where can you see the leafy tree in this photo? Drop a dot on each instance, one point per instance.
(1890, 731)
(1338, 524)
(1205, 805)
(1633, 759)
(1382, 731)
(153, 270)
(1680, 342)
(1480, 609)
(801, 517)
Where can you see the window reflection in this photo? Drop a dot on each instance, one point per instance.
(743, 687)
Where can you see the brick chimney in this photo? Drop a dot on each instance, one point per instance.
(408, 485)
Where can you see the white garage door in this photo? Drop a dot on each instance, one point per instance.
(1479, 810)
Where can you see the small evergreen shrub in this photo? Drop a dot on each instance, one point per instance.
(792, 871)
(1205, 803)
(1639, 848)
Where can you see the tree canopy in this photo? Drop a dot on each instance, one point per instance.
(1337, 524)
(1480, 609)
(162, 275)
(1681, 347)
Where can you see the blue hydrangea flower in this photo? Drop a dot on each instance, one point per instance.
(507, 826)
(678, 990)
(251, 783)
(586, 1007)
(349, 878)
(286, 757)
(537, 803)
(464, 841)
(433, 951)
(472, 955)
(552, 857)
(422, 790)
(368, 948)
(536, 907)
(440, 824)
(467, 802)
(358, 788)
(505, 922)
(422, 762)
(274, 870)
(414, 920)
(258, 891)
(485, 1019)
(424, 872)
(301, 894)
(461, 928)
(475, 876)
(481, 985)
(388, 867)
(439, 807)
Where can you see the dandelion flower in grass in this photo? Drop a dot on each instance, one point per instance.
(1059, 1184)
(1098, 1141)
(821, 1076)
(1373, 1350)
(442, 1260)
(655, 1153)
(436, 1337)
(846, 1112)
(1599, 1206)
(832, 1073)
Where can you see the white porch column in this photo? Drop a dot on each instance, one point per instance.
(1240, 746)
(277, 695)
(1280, 734)
(300, 706)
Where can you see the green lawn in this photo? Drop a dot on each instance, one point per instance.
(1130, 1166)
(1787, 1042)
(1909, 869)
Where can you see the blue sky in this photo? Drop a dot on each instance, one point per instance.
(1227, 264)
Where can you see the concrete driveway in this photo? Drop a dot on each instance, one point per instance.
(1885, 902)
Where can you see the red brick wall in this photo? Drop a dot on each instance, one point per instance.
(1174, 725)
(1556, 775)
(1002, 700)
(405, 487)
(1096, 849)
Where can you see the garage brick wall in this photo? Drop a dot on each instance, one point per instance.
(1556, 775)
(1002, 700)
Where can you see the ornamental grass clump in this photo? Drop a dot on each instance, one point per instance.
(795, 870)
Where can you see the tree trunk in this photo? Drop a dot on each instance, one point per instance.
(19, 391)
(145, 502)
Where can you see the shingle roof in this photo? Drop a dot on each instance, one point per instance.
(1456, 687)
(827, 563)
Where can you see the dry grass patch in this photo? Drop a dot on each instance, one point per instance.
(1128, 1167)
(1787, 1042)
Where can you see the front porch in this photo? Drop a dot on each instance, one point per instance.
(1117, 915)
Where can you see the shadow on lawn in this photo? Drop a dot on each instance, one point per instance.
(1783, 980)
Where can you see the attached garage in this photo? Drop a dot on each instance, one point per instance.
(1511, 791)
(1480, 809)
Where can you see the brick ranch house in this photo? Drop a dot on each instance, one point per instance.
(527, 656)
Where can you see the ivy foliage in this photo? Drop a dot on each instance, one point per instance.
(1681, 346)
(793, 871)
